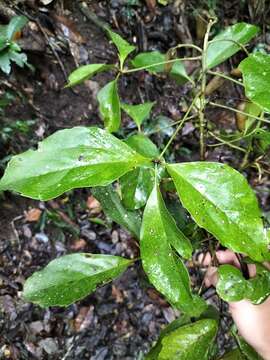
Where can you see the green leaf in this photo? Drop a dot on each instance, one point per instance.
(138, 113)
(164, 269)
(5, 62)
(114, 209)
(143, 145)
(109, 106)
(232, 286)
(68, 159)
(221, 201)
(72, 277)
(233, 355)
(124, 48)
(86, 72)
(256, 76)
(248, 352)
(226, 43)
(16, 24)
(136, 186)
(149, 59)
(264, 138)
(20, 59)
(189, 342)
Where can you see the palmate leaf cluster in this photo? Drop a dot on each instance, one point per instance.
(218, 198)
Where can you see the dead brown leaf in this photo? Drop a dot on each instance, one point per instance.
(93, 205)
(33, 215)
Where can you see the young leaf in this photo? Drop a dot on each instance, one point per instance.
(123, 47)
(165, 270)
(149, 59)
(68, 159)
(143, 145)
(113, 208)
(225, 44)
(256, 75)
(190, 342)
(72, 277)
(109, 106)
(86, 72)
(232, 286)
(5, 64)
(136, 186)
(16, 24)
(221, 201)
(138, 113)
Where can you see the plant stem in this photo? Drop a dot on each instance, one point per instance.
(161, 63)
(225, 77)
(203, 87)
(172, 124)
(238, 111)
(187, 46)
(228, 143)
(233, 41)
(179, 127)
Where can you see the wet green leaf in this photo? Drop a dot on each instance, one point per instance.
(114, 209)
(16, 24)
(109, 106)
(68, 159)
(221, 201)
(138, 113)
(149, 59)
(264, 138)
(72, 277)
(248, 352)
(233, 355)
(136, 186)
(164, 269)
(232, 286)
(143, 145)
(5, 64)
(124, 48)
(256, 76)
(189, 342)
(85, 72)
(225, 44)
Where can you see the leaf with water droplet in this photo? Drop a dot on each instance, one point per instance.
(115, 210)
(232, 286)
(225, 44)
(190, 342)
(221, 201)
(68, 159)
(109, 106)
(72, 277)
(256, 75)
(165, 270)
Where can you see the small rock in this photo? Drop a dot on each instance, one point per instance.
(36, 327)
(89, 234)
(41, 237)
(49, 345)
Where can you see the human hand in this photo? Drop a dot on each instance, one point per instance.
(252, 321)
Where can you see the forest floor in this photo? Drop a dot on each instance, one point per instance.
(120, 320)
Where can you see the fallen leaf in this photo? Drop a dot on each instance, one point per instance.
(117, 295)
(33, 215)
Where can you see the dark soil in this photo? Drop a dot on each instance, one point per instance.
(120, 320)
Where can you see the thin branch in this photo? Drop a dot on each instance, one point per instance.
(225, 77)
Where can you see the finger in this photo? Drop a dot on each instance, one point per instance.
(205, 259)
(227, 257)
